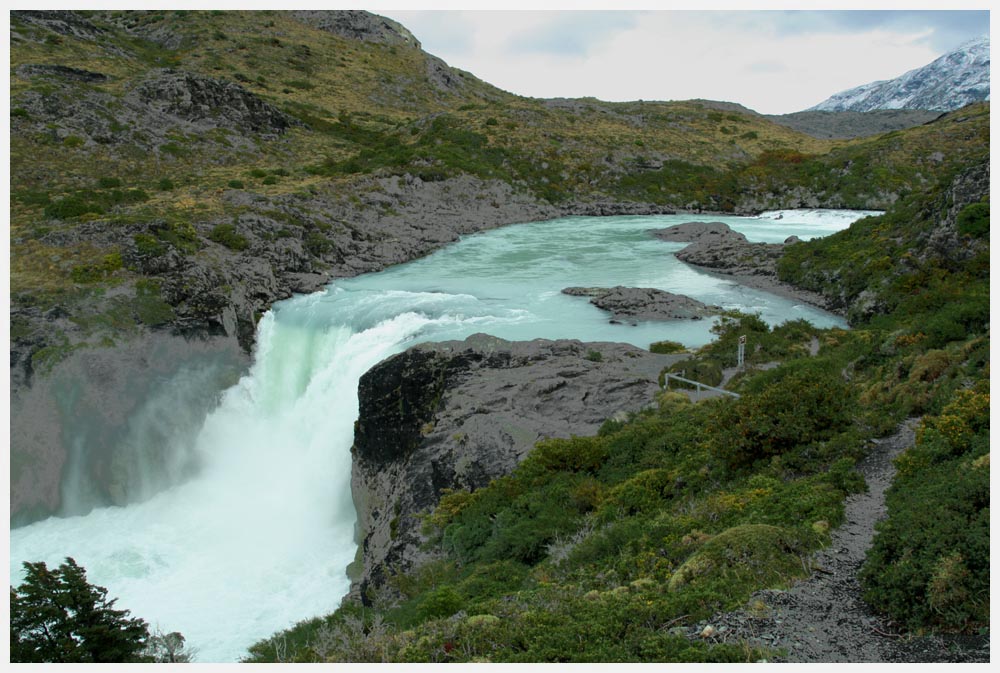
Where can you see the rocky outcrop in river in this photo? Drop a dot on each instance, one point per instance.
(716, 248)
(456, 414)
(634, 304)
(714, 245)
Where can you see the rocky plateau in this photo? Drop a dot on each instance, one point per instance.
(457, 414)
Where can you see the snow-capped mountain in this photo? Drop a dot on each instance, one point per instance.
(956, 79)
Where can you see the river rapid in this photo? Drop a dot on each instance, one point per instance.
(261, 534)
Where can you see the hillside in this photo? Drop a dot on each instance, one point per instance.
(174, 174)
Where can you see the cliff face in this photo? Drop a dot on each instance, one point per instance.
(457, 414)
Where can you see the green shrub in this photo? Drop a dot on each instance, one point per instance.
(318, 244)
(974, 220)
(32, 197)
(442, 602)
(236, 184)
(174, 149)
(71, 206)
(109, 183)
(785, 409)
(149, 306)
(644, 493)
(258, 173)
(747, 555)
(178, 233)
(91, 273)
(73, 141)
(577, 454)
(226, 234)
(594, 356)
(666, 347)
(270, 180)
(705, 371)
(165, 185)
(149, 246)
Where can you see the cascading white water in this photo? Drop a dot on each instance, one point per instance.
(260, 536)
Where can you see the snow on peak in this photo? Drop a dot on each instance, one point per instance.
(954, 80)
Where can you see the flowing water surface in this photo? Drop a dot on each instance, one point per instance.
(260, 536)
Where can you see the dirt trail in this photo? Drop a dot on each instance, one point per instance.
(822, 618)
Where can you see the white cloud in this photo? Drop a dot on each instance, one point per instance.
(751, 58)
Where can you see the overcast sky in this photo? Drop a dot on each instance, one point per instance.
(771, 61)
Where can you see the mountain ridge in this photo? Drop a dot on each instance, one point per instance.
(954, 80)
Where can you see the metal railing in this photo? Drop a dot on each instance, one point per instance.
(699, 385)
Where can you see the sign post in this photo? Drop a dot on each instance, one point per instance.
(741, 350)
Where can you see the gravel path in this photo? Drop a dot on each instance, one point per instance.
(822, 618)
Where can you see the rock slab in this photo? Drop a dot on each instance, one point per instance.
(634, 304)
(457, 414)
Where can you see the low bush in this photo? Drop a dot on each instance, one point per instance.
(782, 410)
(227, 235)
(666, 347)
(97, 271)
(974, 220)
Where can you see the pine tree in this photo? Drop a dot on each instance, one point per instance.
(57, 616)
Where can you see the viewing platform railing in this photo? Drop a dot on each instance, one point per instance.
(699, 386)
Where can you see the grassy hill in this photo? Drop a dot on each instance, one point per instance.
(92, 139)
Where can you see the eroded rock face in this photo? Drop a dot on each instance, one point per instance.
(195, 98)
(634, 304)
(457, 414)
(59, 71)
(62, 22)
(151, 113)
(358, 25)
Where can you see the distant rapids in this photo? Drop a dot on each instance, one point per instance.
(260, 537)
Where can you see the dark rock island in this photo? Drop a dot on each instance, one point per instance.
(634, 304)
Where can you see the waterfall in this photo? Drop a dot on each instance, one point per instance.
(253, 527)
